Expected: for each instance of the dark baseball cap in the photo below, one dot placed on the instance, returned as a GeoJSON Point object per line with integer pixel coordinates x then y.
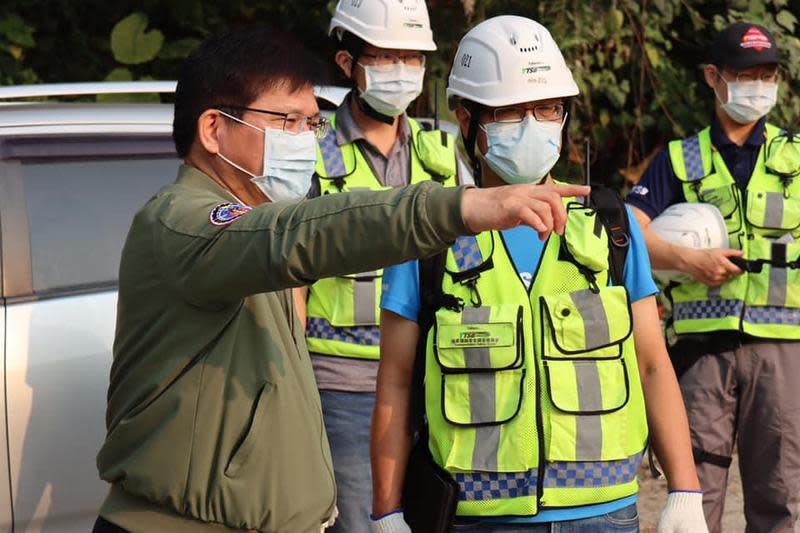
{"type": "Point", "coordinates": [743, 45]}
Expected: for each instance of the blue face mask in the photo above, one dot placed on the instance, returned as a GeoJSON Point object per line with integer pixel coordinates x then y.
{"type": "Point", "coordinates": [523, 152]}
{"type": "Point", "coordinates": [289, 162]}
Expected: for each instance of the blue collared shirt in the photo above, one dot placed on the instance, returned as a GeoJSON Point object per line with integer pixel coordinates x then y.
{"type": "Point", "coordinates": [659, 188]}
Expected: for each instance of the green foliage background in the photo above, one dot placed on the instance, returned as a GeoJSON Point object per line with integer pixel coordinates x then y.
{"type": "Point", "coordinates": [637, 62]}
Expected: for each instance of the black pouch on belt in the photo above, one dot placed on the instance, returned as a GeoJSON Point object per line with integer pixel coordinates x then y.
{"type": "Point", "coordinates": [430, 494]}
{"type": "Point", "coordinates": [690, 348]}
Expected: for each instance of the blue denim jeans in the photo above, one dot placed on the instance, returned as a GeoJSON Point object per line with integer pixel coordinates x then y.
{"type": "Point", "coordinates": [347, 418]}
{"type": "Point", "coordinates": [625, 520]}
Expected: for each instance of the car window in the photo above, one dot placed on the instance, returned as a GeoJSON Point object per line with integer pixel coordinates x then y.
{"type": "Point", "coordinates": [79, 213]}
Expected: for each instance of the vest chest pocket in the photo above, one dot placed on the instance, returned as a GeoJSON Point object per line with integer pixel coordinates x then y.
{"type": "Point", "coordinates": [773, 211]}
{"type": "Point", "coordinates": [723, 198]}
{"type": "Point", "coordinates": [585, 325]}
{"type": "Point", "coordinates": [726, 199]}
{"type": "Point", "coordinates": [480, 353]}
{"type": "Point", "coordinates": [588, 387]}
{"type": "Point", "coordinates": [479, 339]}
{"type": "Point", "coordinates": [583, 336]}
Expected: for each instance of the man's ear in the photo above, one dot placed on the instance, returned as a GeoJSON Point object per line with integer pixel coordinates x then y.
{"type": "Point", "coordinates": [463, 116]}
{"type": "Point", "coordinates": [710, 74]}
{"type": "Point", "coordinates": [345, 62]}
{"type": "Point", "coordinates": [208, 126]}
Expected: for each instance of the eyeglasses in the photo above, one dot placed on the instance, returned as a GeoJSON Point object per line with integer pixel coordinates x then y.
{"type": "Point", "coordinates": [755, 75]}
{"type": "Point", "coordinates": [541, 112]}
{"type": "Point", "coordinates": [291, 122]}
{"type": "Point", "coordinates": [387, 59]}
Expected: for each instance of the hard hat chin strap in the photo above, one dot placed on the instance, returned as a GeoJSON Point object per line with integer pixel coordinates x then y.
{"type": "Point", "coordinates": [370, 111]}
{"type": "Point", "coordinates": [471, 140]}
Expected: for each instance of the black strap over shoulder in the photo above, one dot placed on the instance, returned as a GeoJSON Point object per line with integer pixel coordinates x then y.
{"type": "Point", "coordinates": [611, 211]}
{"type": "Point", "coordinates": [431, 274]}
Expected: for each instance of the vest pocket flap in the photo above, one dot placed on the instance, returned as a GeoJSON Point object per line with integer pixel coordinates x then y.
{"type": "Point", "coordinates": [482, 398]}
{"type": "Point", "coordinates": [586, 324]}
{"type": "Point", "coordinates": [479, 338]}
{"type": "Point", "coordinates": [723, 198]}
{"type": "Point", "coordinates": [436, 153]}
{"type": "Point", "coordinates": [588, 387]}
{"type": "Point", "coordinates": [586, 237]}
{"type": "Point", "coordinates": [772, 210]}
{"type": "Point", "coordinates": [785, 156]}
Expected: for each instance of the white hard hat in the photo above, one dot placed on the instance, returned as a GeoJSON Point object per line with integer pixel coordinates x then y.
{"type": "Point", "coordinates": [393, 24]}
{"type": "Point", "coordinates": [692, 225]}
{"type": "Point", "coordinates": [509, 60]}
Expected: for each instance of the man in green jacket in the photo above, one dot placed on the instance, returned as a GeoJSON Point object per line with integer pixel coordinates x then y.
{"type": "Point", "coordinates": [214, 420]}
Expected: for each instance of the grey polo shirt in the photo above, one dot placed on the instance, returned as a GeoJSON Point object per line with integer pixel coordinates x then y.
{"type": "Point", "coordinates": [394, 170]}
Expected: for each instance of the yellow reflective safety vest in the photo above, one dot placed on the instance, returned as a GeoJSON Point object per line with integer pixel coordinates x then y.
{"type": "Point", "coordinates": [533, 398]}
{"type": "Point", "coordinates": [343, 312]}
{"type": "Point", "coordinates": [763, 221]}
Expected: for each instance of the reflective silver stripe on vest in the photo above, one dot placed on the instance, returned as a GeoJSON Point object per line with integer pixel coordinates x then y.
{"type": "Point", "coordinates": [476, 357]}
{"type": "Point", "coordinates": [482, 401]}
{"type": "Point", "coordinates": [699, 309]}
{"type": "Point", "coordinates": [588, 428]}
{"type": "Point", "coordinates": [332, 158]}
{"type": "Point", "coordinates": [781, 316]}
{"type": "Point", "coordinates": [595, 321]}
{"type": "Point", "coordinates": [364, 298]}
{"type": "Point", "coordinates": [773, 212]}
{"type": "Point", "coordinates": [778, 278]}
{"type": "Point", "coordinates": [467, 253]}
{"type": "Point", "coordinates": [693, 158]}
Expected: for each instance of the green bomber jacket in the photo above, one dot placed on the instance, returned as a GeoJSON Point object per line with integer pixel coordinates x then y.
{"type": "Point", "coordinates": [214, 420]}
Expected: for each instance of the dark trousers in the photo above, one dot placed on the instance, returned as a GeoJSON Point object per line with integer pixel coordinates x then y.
{"type": "Point", "coordinates": [104, 526]}
{"type": "Point", "coordinates": [749, 397]}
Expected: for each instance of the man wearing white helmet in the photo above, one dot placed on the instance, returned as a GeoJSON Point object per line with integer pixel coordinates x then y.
{"type": "Point", "coordinates": [372, 144]}
{"type": "Point", "coordinates": [543, 365]}
{"type": "Point", "coordinates": [736, 312]}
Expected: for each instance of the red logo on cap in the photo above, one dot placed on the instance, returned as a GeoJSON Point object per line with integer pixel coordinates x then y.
{"type": "Point", "coordinates": [755, 38]}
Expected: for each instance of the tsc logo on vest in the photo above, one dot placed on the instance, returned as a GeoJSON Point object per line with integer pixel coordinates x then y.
{"type": "Point", "coordinates": [476, 337]}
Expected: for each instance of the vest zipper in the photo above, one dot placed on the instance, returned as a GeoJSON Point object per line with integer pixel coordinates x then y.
{"type": "Point", "coordinates": [536, 374]}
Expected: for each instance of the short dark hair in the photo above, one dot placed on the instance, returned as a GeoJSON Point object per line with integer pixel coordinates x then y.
{"type": "Point", "coordinates": [232, 69]}
{"type": "Point", "coordinates": [353, 44]}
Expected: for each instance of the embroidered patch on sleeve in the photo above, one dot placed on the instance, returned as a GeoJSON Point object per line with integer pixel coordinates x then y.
{"type": "Point", "coordinates": [224, 214]}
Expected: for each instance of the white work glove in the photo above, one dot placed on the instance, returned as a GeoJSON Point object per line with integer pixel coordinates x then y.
{"type": "Point", "coordinates": [331, 520]}
{"type": "Point", "coordinates": [390, 523]}
{"type": "Point", "coordinates": [683, 513]}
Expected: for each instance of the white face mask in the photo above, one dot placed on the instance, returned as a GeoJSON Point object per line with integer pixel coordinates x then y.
{"type": "Point", "coordinates": [523, 152]}
{"type": "Point", "coordinates": [748, 101]}
{"type": "Point", "coordinates": [289, 162]}
{"type": "Point", "coordinates": [389, 90]}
